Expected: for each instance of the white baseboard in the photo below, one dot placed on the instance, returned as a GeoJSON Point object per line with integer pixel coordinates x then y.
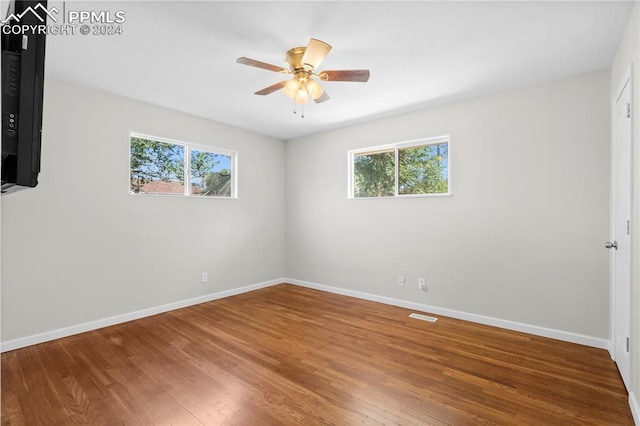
{"type": "Point", "coordinates": [635, 407]}
{"type": "Point", "coordinates": [481, 319]}
{"type": "Point", "coordinates": [34, 339]}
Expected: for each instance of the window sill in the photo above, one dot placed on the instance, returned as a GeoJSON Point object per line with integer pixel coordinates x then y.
{"type": "Point", "coordinates": [391, 197]}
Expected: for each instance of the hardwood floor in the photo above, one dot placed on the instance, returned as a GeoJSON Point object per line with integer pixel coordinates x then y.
{"type": "Point", "coordinates": [291, 355]}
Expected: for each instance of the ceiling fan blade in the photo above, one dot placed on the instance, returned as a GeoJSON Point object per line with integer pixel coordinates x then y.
{"type": "Point", "coordinates": [322, 98]}
{"type": "Point", "coordinates": [271, 88]}
{"type": "Point", "coordinates": [315, 52]}
{"type": "Point", "coordinates": [258, 64]}
{"type": "Point", "coordinates": [345, 75]}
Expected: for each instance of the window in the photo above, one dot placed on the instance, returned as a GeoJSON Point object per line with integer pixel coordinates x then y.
{"type": "Point", "coordinates": [406, 169]}
{"type": "Point", "coordinates": [159, 166]}
{"type": "Point", "coordinates": [374, 173]}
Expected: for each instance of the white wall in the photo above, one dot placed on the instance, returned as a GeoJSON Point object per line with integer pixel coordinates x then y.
{"type": "Point", "coordinates": [522, 237]}
{"type": "Point", "coordinates": [79, 248]}
{"type": "Point", "coordinates": [526, 222]}
{"type": "Point", "coordinates": [629, 52]}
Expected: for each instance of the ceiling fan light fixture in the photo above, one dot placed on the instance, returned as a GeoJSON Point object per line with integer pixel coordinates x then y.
{"type": "Point", "coordinates": [302, 97]}
{"type": "Point", "coordinates": [291, 88]}
{"type": "Point", "coordinates": [315, 90]}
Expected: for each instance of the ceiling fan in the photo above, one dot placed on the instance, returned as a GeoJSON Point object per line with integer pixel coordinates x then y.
{"type": "Point", "coordinates": [303, 63]}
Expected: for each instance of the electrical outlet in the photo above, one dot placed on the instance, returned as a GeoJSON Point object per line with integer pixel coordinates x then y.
{"type": "Point", "coordinates": [422, 284]}
{"type": "Point", "coordinates": [401, 281]}
{"type": "Point", "coordinates": [205, 277]}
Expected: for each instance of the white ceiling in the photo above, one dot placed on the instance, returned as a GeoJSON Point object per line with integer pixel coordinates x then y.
{"type": "Point", "coordinates": [181, 55]}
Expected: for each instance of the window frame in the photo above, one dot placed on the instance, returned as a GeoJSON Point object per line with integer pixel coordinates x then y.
{"type": "Point", "coordinates": [396, 147]}
{"type": "Point", "coordinates": [188, 147]}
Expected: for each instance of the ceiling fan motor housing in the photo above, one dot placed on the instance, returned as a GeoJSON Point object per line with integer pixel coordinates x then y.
{"type": "Point", "coordinates": [294, 59]}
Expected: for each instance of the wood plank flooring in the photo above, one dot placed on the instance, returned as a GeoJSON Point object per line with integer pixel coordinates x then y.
{"type": "Point", "coordinates": [290, 355]}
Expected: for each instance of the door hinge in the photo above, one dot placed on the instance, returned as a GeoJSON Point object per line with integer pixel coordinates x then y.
{"type": "Point", "coordinates": [627, 344]}
{"type": "Point", "coordinates": [628, 110]}
{"type": "Point", "coordinates": [628, 227]}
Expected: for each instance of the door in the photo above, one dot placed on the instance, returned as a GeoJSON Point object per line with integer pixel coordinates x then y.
{"type": "Point", "coordinates": [622, 146]}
